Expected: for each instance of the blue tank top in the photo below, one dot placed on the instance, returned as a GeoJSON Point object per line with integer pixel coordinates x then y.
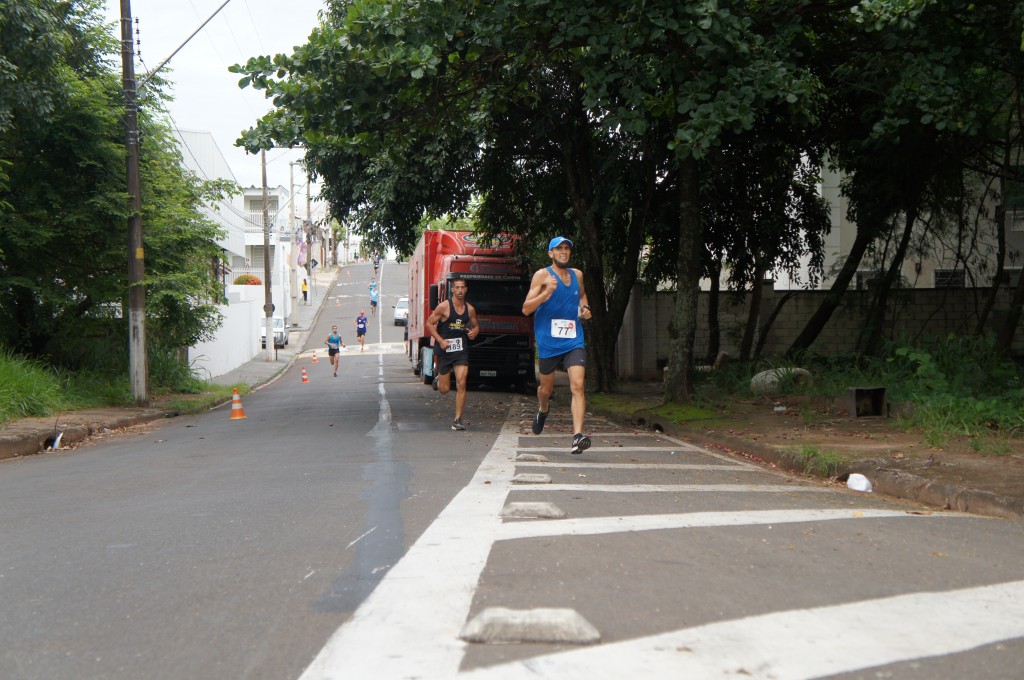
{"type": "Point", "coordinates": [556, 323]}
{"type": "Point", "coordinates": [361, 323]}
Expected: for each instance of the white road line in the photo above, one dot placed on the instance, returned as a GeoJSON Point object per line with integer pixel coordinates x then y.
{"type": "Point", "coordinates": [409, 626]}
{"type": "Point", "coordinates": [617, 434]}
{"type": "Point", "coordinates": [641, 466]}
{"type": "Point", "coordinates": [676, 488]}
{"type": "Point", "coordinates": [800, 644]}
{"type": "Point", "coordinates": [617, 449]}
{"type": "Point", "coordinates": [588, 526]}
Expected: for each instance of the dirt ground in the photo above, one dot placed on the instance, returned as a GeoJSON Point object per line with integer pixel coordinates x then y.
{"type": "Point", "coordinates": [994, 463]}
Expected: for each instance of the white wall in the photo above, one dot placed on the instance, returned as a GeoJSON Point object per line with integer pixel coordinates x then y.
{"type": "Point", "coordinates": [238, 339]}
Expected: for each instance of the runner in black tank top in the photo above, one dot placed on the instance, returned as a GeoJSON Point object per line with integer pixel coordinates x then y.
{"type": "Point", "coordinates": [452, 330]}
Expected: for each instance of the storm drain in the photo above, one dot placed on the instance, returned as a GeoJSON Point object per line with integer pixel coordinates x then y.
{"type": "Point", "coordinates": [498, 625]}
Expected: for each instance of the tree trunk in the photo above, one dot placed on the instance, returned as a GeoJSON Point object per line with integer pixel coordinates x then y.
{"type": "Point", "coordinates": [714, 328]}
{"type": "Point", "coordinates": [870, 340]}
{"type": "Point", "coordinates": [683, 328]}
{"type": "Point", "coordinates": [754, 311]}
{"type": "Point", "coordinates": [766, 328]}
{"type": "Point", "coordinates": [1004, 341]}
{"type": "Point", "coordinates": [1000, 236]}
{"type": "Point", "coordinates": [820, 319]}
{"type": "Point", "coordinates": [608, 306]}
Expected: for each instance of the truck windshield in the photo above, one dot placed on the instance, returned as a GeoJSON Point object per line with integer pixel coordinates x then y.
{"type": "Point", "coordinates": [498, 298]}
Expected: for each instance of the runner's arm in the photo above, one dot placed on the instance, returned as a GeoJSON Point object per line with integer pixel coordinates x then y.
{"type": "Point", "coordinates": [439, 314]}
{"type": "Point", "coordinates": [584, 304]}
{"type": "Point", "coordinates": [474, 328]}
{"type": "Point", "coordinates": [542, 287]}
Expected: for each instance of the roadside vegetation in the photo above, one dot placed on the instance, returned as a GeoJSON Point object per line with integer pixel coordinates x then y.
{"type": "Point", "coordinates": [946, 389]}
{"type": "Point", "coordinates": [957, 386]}
{"type": "Point", "coordinates": [31, 388]}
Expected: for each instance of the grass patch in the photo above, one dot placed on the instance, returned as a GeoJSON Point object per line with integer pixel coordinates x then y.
{"type": "Point", "coordinates": [199, 402]}
{"type": "Point", "coordinates": [616, 402]}
{"type": "Point", "coordinates": [32, 388]}
{"type": "Point", "coordinates": [685, 413]}
{"type": "Point", "coordinates": [816, 461]}
{"type": "Point", "coordinates": [29, 389]}
{"type": "Point", "coordinates": [627, 405]}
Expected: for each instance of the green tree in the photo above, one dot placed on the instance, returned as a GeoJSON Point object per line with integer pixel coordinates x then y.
{"type": "Point", "coordinates": [63, 239]}
{"type": "Point", "coordinates": [920, 94]}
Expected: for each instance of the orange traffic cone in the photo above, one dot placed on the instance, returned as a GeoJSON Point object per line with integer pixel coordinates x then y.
{"type": "Point", "coordinates": [315, 360]}
{"type": "Point", "coordinates": [237, 412]}
{"type": "Point", "coordinates": [305, 378]}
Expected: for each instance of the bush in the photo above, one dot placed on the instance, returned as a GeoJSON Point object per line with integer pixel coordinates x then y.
{"type": "Point", "coordinates": [248, 280]}
{"type": "Point", "coordinates": [28, 388]}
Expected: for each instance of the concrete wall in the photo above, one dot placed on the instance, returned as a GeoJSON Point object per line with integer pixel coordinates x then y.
{"type": "Point", "coordinates": [643, 345]}
{"type": "Point", "coordinates": [238, 339]}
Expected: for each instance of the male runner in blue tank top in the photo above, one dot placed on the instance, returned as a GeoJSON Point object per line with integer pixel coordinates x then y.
{"type": "Point", "coordinates": [558, 302]}
{"type": "Point", "coordinates": [453, 324]}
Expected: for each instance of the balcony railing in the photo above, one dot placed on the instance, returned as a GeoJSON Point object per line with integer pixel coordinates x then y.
{"type": "Point", "coordinates": [254, 223]}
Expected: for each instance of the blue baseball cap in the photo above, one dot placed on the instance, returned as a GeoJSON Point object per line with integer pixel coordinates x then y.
{"type": "Point", "coordinates": [557, 241]}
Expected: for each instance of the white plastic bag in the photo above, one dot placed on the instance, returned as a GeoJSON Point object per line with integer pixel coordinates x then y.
{"type": "Point", "coordinates": [859, 482]}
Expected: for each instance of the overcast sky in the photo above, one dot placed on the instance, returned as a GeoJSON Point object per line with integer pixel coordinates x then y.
{"type": "Point", "coordinates": [206, 95]}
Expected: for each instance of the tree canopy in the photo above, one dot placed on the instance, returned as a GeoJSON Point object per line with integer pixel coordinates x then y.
{"type": "Point", "coordinates": [63, 233]}
{"type": "Point", "coordinates": [626, 124]}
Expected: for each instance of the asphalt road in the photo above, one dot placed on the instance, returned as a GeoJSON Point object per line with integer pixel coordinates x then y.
{"type": "Point", "coordinates": [344, 531]}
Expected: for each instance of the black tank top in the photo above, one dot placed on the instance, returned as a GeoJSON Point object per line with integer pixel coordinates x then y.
{"type": "Point", "coordinates": [456, 326]}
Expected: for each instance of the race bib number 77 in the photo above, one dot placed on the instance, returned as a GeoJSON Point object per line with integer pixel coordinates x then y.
{"type": "Point", "coordinates": [563, 328]}
{"type": "Point", "coordinates": [454, 345]}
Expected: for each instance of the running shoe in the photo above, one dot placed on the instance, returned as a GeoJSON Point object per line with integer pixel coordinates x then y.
{"type": "Point", "coordinates": [580, 443]}
{"type": "Point", "coordinates": [457, 425]}
{"type": "Point", "coordinates": [538, 422]}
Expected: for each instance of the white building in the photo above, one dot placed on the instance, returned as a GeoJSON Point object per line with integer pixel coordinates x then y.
{"type": "Point", "coordinates": [241, 219]}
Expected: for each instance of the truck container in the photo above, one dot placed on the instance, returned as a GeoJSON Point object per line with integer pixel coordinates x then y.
{"type": "Point", "coordinates": [502, 353]}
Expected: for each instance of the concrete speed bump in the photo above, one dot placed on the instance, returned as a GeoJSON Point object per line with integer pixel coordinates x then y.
{"type": "Point", "coordinates": [498, 625]}
{"type": "Point", "coordinates": [528, 478]}
{"type": "Point", "coordinates": [533, 510]}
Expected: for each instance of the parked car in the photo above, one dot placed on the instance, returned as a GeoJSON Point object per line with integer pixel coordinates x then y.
{"type": "Point", "coordinates": [401, 311]}
{"type": "Point", "coordinates": [280, 332]}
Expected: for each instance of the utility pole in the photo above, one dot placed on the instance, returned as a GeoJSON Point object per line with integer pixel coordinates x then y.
{"type": "Point", "coordinates": [294, 276]}
{"type": "Point", "coordinates": [137, 365]}
{"type": "Point", "coordinates": [309, 244]}
{"type": "Point", "coordinates": [268, 298]}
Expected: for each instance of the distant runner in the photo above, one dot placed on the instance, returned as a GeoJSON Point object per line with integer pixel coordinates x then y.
{"type": "Point", "coordinates": [334, 346]}
{"type": "Point", "coordinates": [361, 329]}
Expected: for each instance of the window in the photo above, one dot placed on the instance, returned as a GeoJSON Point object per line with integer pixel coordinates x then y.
{"type": "Point", "coordinates": [950, 278]}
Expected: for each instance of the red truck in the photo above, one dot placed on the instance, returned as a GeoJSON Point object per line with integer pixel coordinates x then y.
{"type": "Point", "coordinates": [502, 353]}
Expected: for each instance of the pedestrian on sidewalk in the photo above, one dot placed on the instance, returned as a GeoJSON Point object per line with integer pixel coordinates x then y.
{"type": "Point", "coordinates": [558, 302]}
{"type": "Point", "coordinates": [305, 291]}
{"type": "Point", "coordinates": [334, 346]}
{"type": "Point", "coordinates": [361, 329]}
{"type": "Point", "coordinates": [453, 324]}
